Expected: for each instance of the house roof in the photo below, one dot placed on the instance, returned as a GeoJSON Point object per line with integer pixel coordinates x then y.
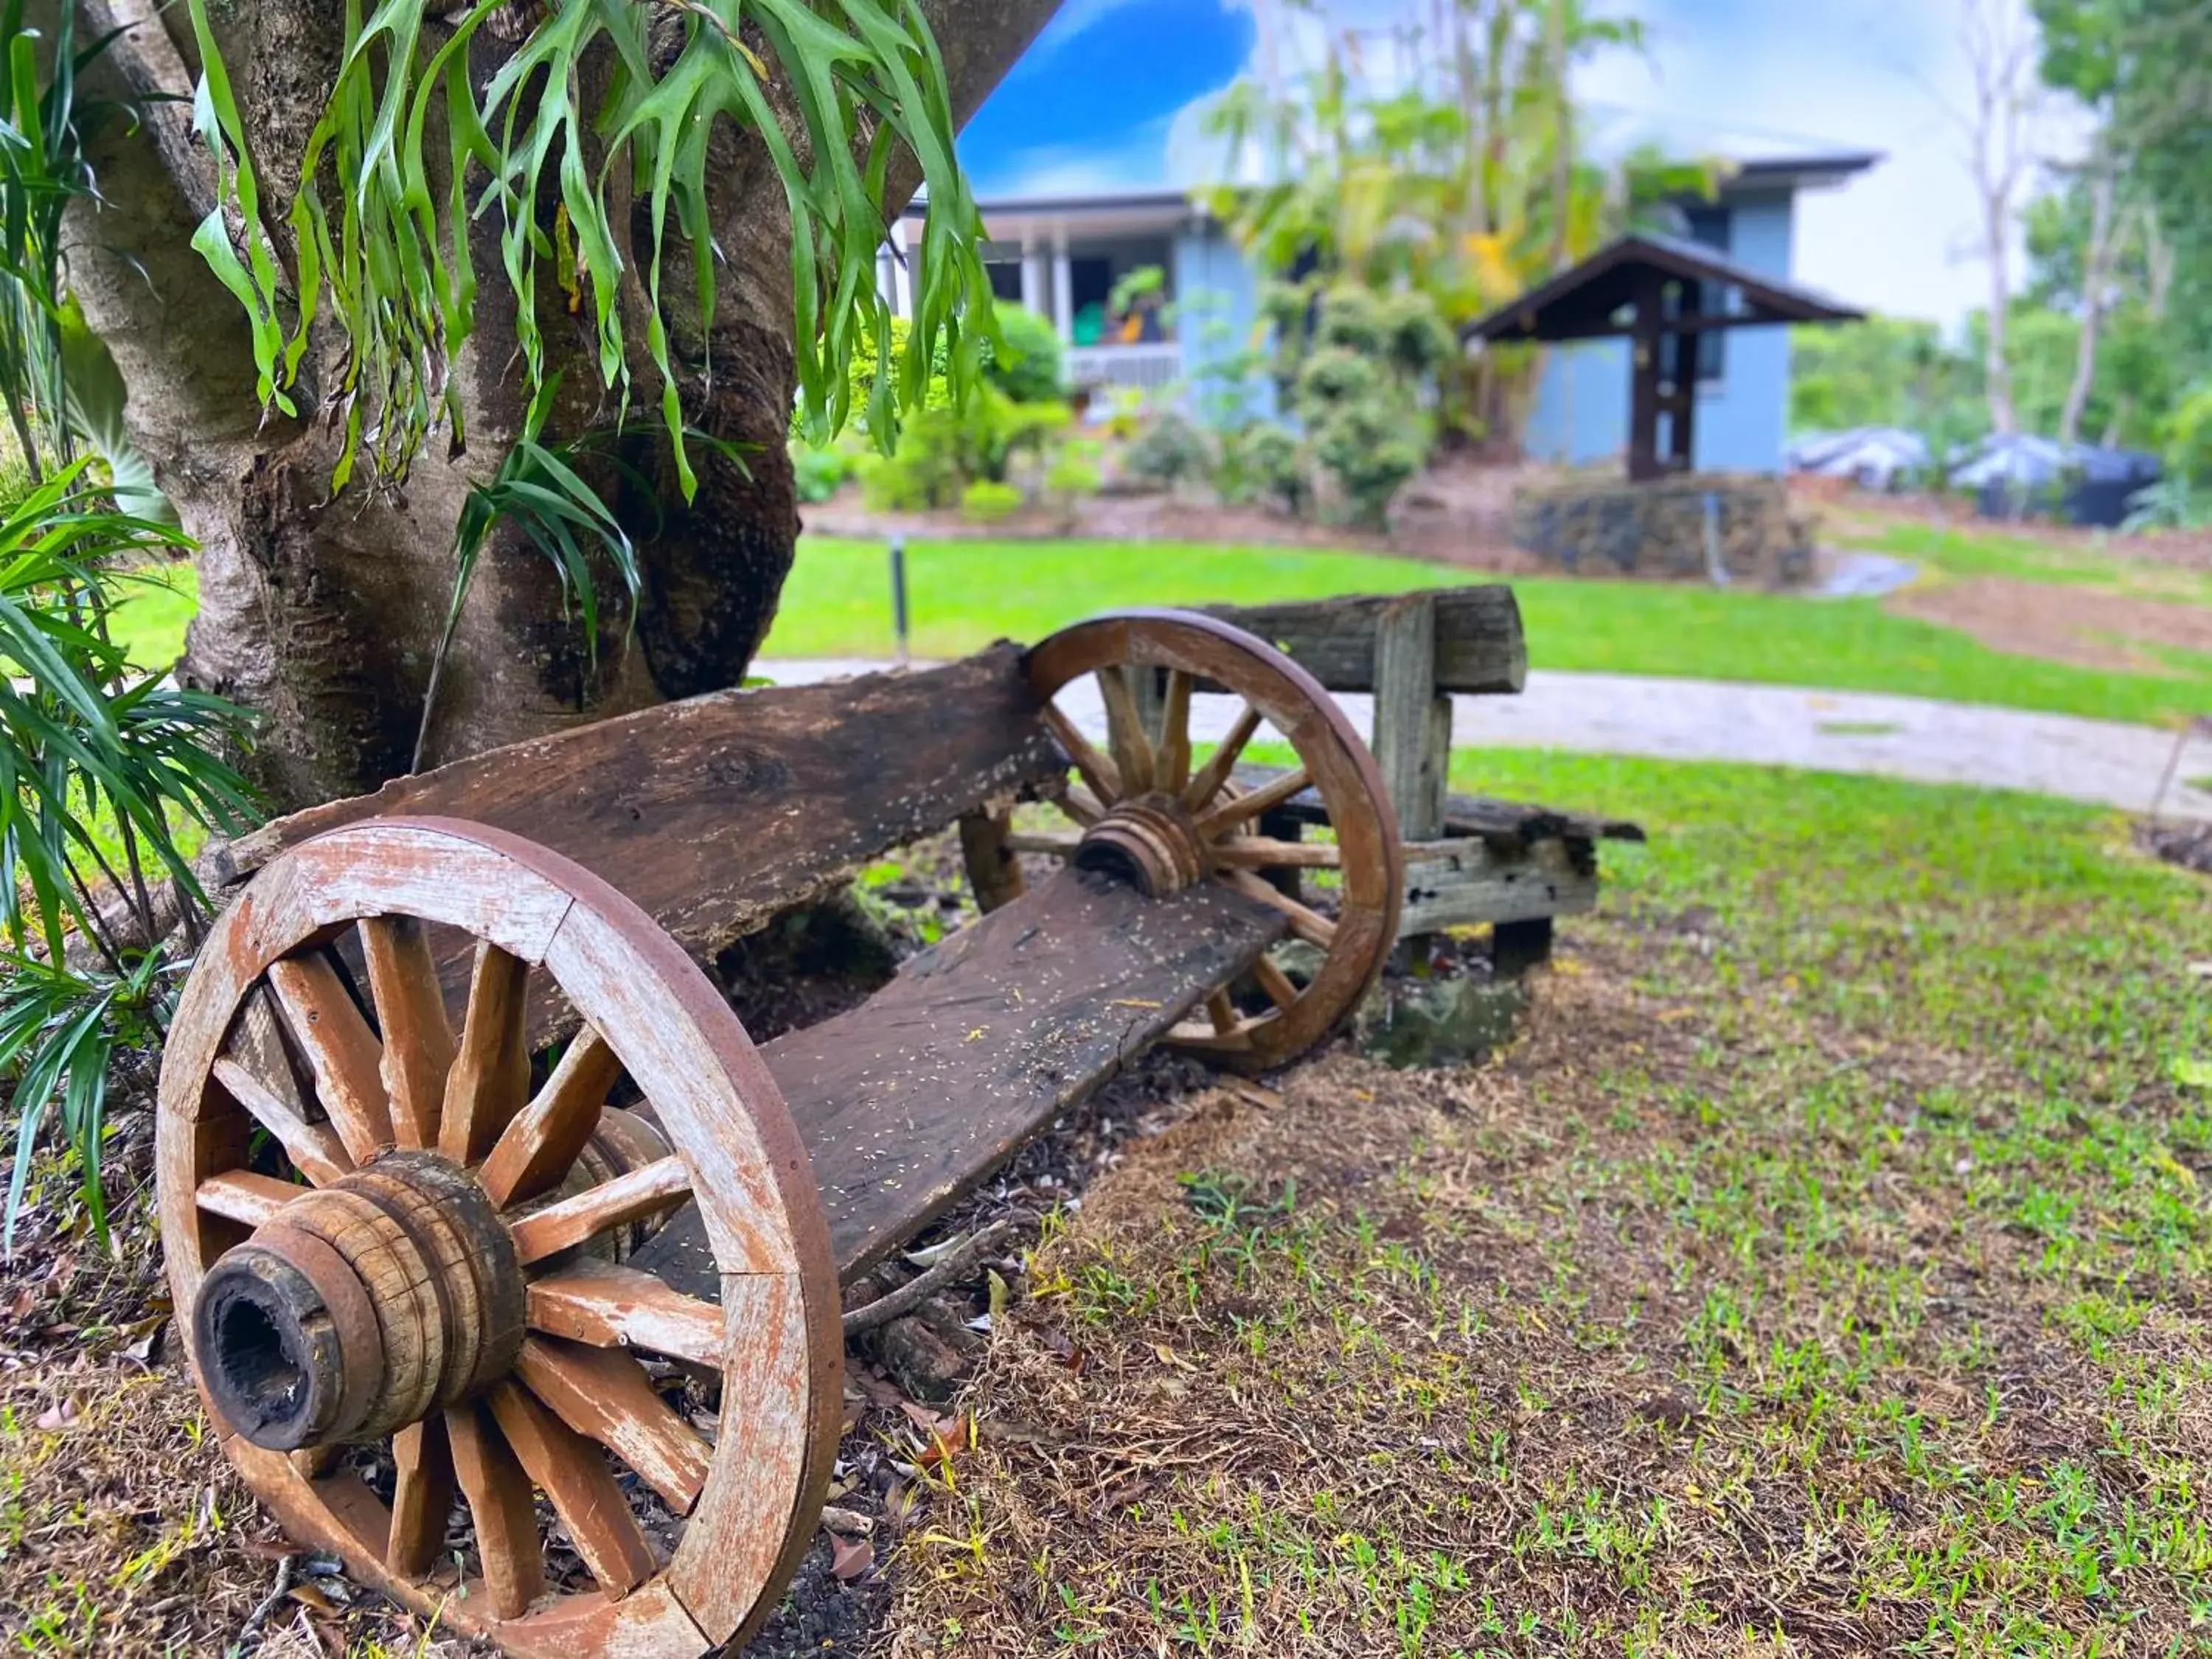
{"type": "Point", "coordinates": [1799, 172]}
{"type": "Point", "coordinates": [1584, 302]}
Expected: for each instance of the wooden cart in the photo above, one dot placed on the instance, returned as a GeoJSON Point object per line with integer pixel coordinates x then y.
{"type": "Point", "coordinates": [419, 1249]}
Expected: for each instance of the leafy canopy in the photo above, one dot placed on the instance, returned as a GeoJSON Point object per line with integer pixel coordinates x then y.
{"type": "Point", "coordinates": [409, 150]}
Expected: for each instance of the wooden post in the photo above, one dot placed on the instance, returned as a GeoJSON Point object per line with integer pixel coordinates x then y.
{"type": "Point", "coordinates": [1644, 344]}
{"type": "Point", "coordinates": [1413, 721]}
{"type": "Point", "coordinates": [993, 869]}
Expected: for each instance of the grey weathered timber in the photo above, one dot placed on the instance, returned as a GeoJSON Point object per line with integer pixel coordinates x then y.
{"type": "Point", "coordinates": [1450, 884]}
{"type": "Point", "coordinates": [911, 1099]}
{"type": "Point", "coordinates": [1480, 646]}
{"type": "Point", "coordinates": [719, 812]}
{"type": "Point", "coordinates": [1413, 720]}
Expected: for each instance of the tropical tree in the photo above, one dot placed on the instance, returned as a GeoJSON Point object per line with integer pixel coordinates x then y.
{"type": "Point", "coordinates": [1454, 168]}
{"type": "Point", "coordinates": [546, 273]}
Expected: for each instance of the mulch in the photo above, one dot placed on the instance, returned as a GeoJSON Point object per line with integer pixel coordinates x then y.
{"type": "Point", "coordinates": [2189, 845]}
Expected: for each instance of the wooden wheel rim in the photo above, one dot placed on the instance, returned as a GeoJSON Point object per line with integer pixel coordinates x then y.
{"type": "Point", "coordinates": [1342, 772]}
{"type": "Point", "coordinates": [781, 1351]}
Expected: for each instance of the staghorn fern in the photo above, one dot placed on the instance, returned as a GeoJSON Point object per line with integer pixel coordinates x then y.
{"type": "Point", "coordinates": [389, 258]}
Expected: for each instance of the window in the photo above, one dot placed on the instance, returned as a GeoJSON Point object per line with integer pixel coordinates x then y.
{"type": "Point", "coordinates": [1005, 277]}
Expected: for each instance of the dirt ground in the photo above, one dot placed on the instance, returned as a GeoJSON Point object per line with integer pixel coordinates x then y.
{"type": "Point", "coordinates": [2069, 624]}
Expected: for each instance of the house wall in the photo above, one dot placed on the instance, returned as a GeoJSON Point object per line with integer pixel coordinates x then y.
{"type": "Point", "coordinates": [1218, 317]}
{"type": "Point", "coordinates": [1580, 414]}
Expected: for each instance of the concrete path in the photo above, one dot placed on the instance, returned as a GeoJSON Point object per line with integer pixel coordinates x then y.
{"type": "Point", "coordinates": [2101, 761]}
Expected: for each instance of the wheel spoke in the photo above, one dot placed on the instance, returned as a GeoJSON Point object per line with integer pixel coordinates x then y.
{"type": "Point", "coordinates": [1308, 925]}
{"type": "Point", "coordinates": [1209, 778]}
{"type": "Point", "coordinates": [570, 1471]}
{"type": "Point", "coordinates": [411, 1011]}
{"type": "Point", "coordinates": [1101, 774]}
{"type": "Point", "coordinates": [1274, 982]}
{"type": "Point", "coordinates": [1238, 809]}
{"type": "Point", "coordinates": [1125, 729]}
{"type": "Point", "coordinates": [490, 1079]}
{"type": "Point", "coordinates": [343, 1053]}
{"type": "Point", "coordinates": [242, 1195]}
{"type": "Point", "coordinates": [315, 1151]}
{"type": "Point", "coordinates": [633, 1197]}
{"type": "Point", "coordinates": [1051, 845]}
{"type": "Point", "coordinates": [604, 1395]}
{"type": "Point", "coordinates": [611, 1306]}
{"type": "Point", "coordinates": [1080, 804]}
{"type": "Point", "coordinates": [1266, 852]}
{"type": "Point", "coordinates": [500, 1503]}
{"type": "Point", "coordinates": [1223, 1012]}
{"type": "Point", "coordinates": [1172, 770]}
{"type": "Point", "coordinates": [535, 1150]}
{"type": "Point", "coordinates": [421, 1496]}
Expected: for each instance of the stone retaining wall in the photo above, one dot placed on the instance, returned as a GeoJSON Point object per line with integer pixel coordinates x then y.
{"type": "Point", "coordinates": [1659, 530]}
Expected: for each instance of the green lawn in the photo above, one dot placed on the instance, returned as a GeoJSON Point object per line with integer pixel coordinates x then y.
{"type": "Point", "coordinates": [1980, 550]}
{"type": "Point", "coordinates": [965, 594]}
{"type": "Point", "coordinates": [1822, 1270]}
{"type": "Point", "coordinates": [149, 619]}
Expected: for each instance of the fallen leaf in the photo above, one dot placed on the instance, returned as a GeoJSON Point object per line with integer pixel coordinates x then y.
{"type": "Point", "coordinates": [849, 1558]}
{"type": "Point", "coordinates": [55, 1419]}
{"type": "Point", "coordinates": [1001, 1298]}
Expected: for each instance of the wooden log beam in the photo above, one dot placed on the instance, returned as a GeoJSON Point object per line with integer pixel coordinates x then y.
{"type": "Point", "coordinates": [1480, 646]}
{"type": "Point", "coordinates": [909, 1100]}
{"type": "Point", "coordinates": [1463, 883]}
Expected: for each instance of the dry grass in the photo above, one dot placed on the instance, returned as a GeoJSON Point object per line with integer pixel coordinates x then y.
{"type": "Point", "coordinates": [1830, 1288]}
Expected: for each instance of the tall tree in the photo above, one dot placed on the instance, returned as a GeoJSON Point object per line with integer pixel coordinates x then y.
{"type": "Point", "coordinates": [320, 608]}
{"type": "Point", "coordinates": [1999, 42]}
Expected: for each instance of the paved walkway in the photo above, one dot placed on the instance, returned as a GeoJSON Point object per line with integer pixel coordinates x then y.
{"type": "Point", "coordinates": [2100, 761]}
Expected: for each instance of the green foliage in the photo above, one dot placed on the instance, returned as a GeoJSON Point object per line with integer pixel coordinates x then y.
{"type": "Point", "coordinates": [1073, 475]}
{"type": "Point", "coordinates": [1170, 450]}
{"type": "Point", "coordinates": [1263, 461]}
{"type": "Point", "coordinates": [99, 764]}
{"type": "Point", "coordinates": [1355, 379]}
{"type": "Point", "coordinates": [988, 502]}
{"type": "Point", "coordinates": [413, 150]}
{"type": "Point", "coordinates": [1025, 361]}
{"type": "Point", "coordinates": [945, 449]}
{"type": "Point", "coordinates": [818, 470]}
{"type": "Point", "coordinates": [1885, 371]}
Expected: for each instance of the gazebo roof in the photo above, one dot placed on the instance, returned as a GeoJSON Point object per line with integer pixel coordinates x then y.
{"type": "Point", "coordinates": [1586, 301]}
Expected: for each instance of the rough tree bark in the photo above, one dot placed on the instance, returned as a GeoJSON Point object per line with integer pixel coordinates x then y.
{"type": "Point", "coordinates": [2096, 278]}
{"type": "Point", "coordinates": [322, 614]}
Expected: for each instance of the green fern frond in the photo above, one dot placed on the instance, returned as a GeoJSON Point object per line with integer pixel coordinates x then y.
{"type": "Point", "coordinates": [381, 224]}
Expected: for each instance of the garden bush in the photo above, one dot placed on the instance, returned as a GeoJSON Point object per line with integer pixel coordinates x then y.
{"type": "Point", "coordinates": [986, 501]}
{"type": "Point", "coordinates": [1027, 365]}
{"type": "Point", "coordinates": [817, 471]}
{"type": "Point", "coordinates": [1169, 450]}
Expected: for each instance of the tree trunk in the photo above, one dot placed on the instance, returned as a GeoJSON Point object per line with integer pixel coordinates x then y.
{"type": "Point", "coordinates": [2095, 278]}
{"type": "Point", "coordinates": [323, 615]}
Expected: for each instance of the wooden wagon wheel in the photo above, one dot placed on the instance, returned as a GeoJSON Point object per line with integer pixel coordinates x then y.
{"type": "Point", "coordinates": [414, 1281]}
{"type": "Point", "coordinates": [1145, 811]}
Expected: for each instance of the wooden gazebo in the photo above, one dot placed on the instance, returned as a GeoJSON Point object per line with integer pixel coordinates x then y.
{"type": "Point", "coordinates": [1662, 293]}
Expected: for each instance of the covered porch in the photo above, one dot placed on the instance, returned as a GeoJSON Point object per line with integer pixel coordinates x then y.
{"type": "Point", "coordinates": [1065, 259]}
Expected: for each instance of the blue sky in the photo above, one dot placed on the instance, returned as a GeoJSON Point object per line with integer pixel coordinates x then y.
{"type": "Point", "coordinates": [1113, 94]}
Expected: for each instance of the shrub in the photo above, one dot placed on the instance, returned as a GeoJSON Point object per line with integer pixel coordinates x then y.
{"type": "Point", "coordinates": [986, 501]}
{"type": "Point", "coordinates": [1169, 450]}
{"type": "Point", "coordinates": [1028, 365]}
{"type": "Point", "coordinates": [1073, 476]}
{"type": "Point", "coordinates": [944, 450]}
{"type": "Point", "coordinates": [817, 471]}
{"type": "Point", "coordinates": [1261, 461]}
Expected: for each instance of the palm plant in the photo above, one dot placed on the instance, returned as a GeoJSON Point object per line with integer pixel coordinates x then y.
{"type": "Point", "coordinates": [102, 765]}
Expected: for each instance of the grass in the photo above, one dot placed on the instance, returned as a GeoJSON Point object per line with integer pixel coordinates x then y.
{"type": "Point", "coordinates": [2107, 563]}
{"type": "Point", "coordinates": [965, 595]}
{"type": "Point", "coordinates": [158, 601]}
{"type": "Point", "coordinates": [1822, 1272]}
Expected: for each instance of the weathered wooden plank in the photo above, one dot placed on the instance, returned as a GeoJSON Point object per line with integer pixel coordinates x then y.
{"type": "Point", "coordinates": [719, 812]}
{"type": "Point", "coordinates": [909, 1100]}
{"type": "Point", "coordinates": [1412, 746]}
{"type": "Point", "coordinates": [1509, 825]}
{"type": "Point", "coordinates": [1480, 646]}
{"type": "Point", "coordinates": [1453, 884]}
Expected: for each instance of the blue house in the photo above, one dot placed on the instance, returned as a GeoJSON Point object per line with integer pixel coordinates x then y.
{"type": "Point", "coordinates": [1062, 256]}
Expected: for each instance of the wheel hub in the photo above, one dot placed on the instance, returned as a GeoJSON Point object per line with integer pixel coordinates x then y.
{"type": "Point", "coordinates": [1148, 840]}
{"type": "Point", "coordinates": [361, 1306]}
